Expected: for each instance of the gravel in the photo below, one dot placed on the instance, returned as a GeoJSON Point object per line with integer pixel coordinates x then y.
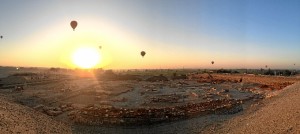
{"type": "Point", "coordinates": [279, 114]}
{"type": "Point", "coordinates": [15, 118]}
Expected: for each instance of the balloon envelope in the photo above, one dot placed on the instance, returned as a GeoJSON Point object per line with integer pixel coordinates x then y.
{"type": "Point", "coordinates": [212, 62]}
{"type": "Point", "coordinates": [1, 36]}
{"type": "Point", "coordinates": [100, 47]}
{"type": "Point", "coordinates": [143, 53]}
{"type": "Point", "coordinates": [73, 24]}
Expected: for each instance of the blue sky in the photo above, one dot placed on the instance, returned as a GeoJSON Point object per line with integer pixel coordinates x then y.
{"type": "Point", "coordinates": [174, 33]}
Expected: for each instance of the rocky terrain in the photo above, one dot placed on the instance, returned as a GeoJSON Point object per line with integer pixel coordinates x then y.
{"type": "Point", "coordinates": [279, 114]}
{"type": "Point", "coordinates": [82, 103]}
{"type": "Point", "coordinates": [15, 118]}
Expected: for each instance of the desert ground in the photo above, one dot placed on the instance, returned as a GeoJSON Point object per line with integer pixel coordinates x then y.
{"type": "Point", "coordinates": [84, 101]}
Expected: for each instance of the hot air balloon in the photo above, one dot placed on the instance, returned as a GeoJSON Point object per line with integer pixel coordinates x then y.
{"type": "Point", "coordinates": [266, 66]}
{"type": "Point", "coordinates": [73, 24]}
{"type": "Point", "coordinates": [100, 47]}
{"type": "Point", "coordinates": [1, 36]}
{"type": "Point", "coordinates": [143, 53]}
{"type": "Point", "coordinates": [212, 62]}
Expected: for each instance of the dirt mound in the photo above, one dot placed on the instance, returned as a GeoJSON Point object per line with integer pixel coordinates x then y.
{"type": "Point", "coordinates": [280, 114]}
{"type": "Point", "coordinates": [15, 118]}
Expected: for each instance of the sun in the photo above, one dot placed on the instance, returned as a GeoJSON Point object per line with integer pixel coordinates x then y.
{"type": "Point", "coordinates": [86, 57]}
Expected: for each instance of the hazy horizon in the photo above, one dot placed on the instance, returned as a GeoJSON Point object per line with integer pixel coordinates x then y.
{"type": "Point", "coordinates": [175, 34]}
{"type": "Point", "coordinates": [183, 68]}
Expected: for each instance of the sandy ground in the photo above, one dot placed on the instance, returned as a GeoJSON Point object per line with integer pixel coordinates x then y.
{"type": "Point", "coordinates": [279, 114]}
{"type": "Point", "coordinates": [15, 118]}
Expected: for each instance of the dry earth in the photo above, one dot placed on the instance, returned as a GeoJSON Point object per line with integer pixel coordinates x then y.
{"type": "Point", "coordinates": [15, 118]}
{"type": "Point", "coordinates": [279, 114]}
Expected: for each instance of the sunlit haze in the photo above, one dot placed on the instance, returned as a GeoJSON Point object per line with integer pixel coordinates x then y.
{"type": "Point", "coordinates": [173, 33]}
{"type": "Point", "coordinates": [86, 57]}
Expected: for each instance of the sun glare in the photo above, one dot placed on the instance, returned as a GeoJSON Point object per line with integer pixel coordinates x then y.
{"type": "Point", "coordinates": [86, 57]}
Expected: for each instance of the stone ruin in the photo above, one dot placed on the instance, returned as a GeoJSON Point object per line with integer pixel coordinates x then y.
{"type": "Point", "coordinates": [93, 115]}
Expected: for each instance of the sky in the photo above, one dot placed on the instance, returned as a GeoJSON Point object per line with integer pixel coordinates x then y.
{"type": "Point", "coordinates": [173, 33]}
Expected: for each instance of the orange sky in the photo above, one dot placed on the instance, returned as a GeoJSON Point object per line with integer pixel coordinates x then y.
{"type": "Point", "coordinates": [173, 34]}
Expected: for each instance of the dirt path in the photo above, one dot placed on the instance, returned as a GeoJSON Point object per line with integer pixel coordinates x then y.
{"type": "Point", "coordinates": [280, 114]}
{"type": "Point", "coordinates": [15, 118]}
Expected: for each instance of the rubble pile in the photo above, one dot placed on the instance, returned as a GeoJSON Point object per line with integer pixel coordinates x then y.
{"type": "Point", "coordinates": [157, 78]}
{"type": "Point", "coordinates": [273, 82]}
{"type": "Point", "coordinates": [19, 88]}
{"type": "Point", "coordinates": [216, 80]}
{"type": "Point", "coordinates": [121, 116]}
{"type": "Point", "coordinates": [281, 85]}
{"type": "Point", "coordinates": [173, 98]}
{"type": "Point", "coordinates": [180, 77]}
{"type": "Point", "coordinates": [10, 80]}
{"type": "Point", "coordinates": [230, 110]}
{"type": "Point", "coordinates": [53, 111]}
